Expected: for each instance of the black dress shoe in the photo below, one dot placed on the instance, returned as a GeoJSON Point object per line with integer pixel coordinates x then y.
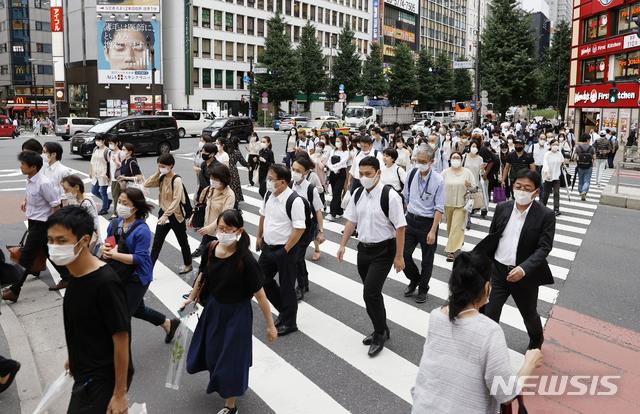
{"type": "Point", "coordinates": [12, 367]}
{"type": "Point", "coordinates": [377, 344]}
{"type": "Point", "coordinates": [197, 252]}
{"type": "Point", "coordinates": [421, 297]}
{"type": "Point", "coordinates": [277, 322]}
{"type": "Point", "coordinates": [410, 289]}
{"type": "Point", "coordinates": [172, 330]}
{"type": "Point", "coordinates": [368, 339]}
{"type": "Point", "coordinates": [299, 294]}
{"type": "Point", "coordinates": [284, 330]}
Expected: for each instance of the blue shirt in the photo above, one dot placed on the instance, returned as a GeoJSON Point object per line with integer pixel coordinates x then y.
{"type": "Point", "coordinates": [138, 242]}
{"type": "Point", "coordinates": [426, 195]}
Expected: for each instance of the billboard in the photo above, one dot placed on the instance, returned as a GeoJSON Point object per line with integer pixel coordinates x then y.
{"type": "Point", "coordinates": [125, 49]}
{"type": "Point", "coordinates": [408, 5]}
{"type": "Point", "coordinates": [597, 96]}
{"type": "Point", "coordinates": [130, 6]}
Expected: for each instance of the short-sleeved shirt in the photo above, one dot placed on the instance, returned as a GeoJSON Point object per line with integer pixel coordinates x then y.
{"type": "Point", "coordinates": [302, 190]}
{"type": "Point", "coordinates": [130, 168]}
{"type": "Point", "coordinates": [232, 280]}
{"type": "Point", "coordinates": [277, 225]}
{"type": "Point", "coordinates": [94, 309]}
{"type": "Point", "coordinates": [518, 163]}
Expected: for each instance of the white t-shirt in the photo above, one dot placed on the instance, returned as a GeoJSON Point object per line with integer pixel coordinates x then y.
{"type": "Point", "coordinates": [394, 176]}
{"type": "Point", "coordinates": [223, 158]}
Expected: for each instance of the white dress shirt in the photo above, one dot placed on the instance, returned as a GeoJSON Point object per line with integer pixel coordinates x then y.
{"type": "Point", "coordinates": [355, 167]}
{"type": "Point", "coordinates": [41, 197]}
{"type": "Point", "coordinates": [394, 176]}
{"type": "Point", "coordinates": [508, 244]}
{"type": "Point", "coordinates": [277, 226]}
{"type": "Point", "coordinates": [374, 226]}
{"type": "Point", "coordinates": [55, 173]}
{"type": "Point", "coordinates": [551, 166]}
{"type": "Point", "coordinates": [344, 160]}
{"type": "Point", "coordinates": [302, 189]}
{"type": "Point", "coordinates": [538, 153]}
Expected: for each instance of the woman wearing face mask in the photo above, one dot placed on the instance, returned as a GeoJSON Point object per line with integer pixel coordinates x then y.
{"type": "Point", "coordinates": [222, 341]}
{"type": "Point", "coordinates": [99, 173]}
{"type": "Point", "coordinates": [115, 161]}
{"type": "Point", "coordinates": [222, 155]}
{"type": "Point", "coordinates": [74, 196]}
{"type": "Point", "coordinates": [265, 160]}
{"type": "Point", "coordinates": [510, 145]}
{"type": "Point", "coordinates": [131, 259]}
{"type": "Point", "coordinates": [457, 181]}
{"type": "Point", "coordinates": [290, 147]}
{"type": "Point", "coordinates": [253, 148]}
{"type": "Point", "coordinates": [391, 173]}
{"type": "Point", "coordinates": [464, 347]}
{"type": "Point", "coordinates": [337, 165]}
{"type": "Point", "coordinates": [220, 197]}
{"type": "Point", "coordinates": [235, 157]}
{"type": "Point", "coordinates": [197, 158]}
{"type": "Point", "coordinates": [404, 156]}
{"type": "Point", "coordinates": [551, 170]}
{"type": "Point", "coordinates": [129, 169]}
{"type": "Point", "coordinates": [320, 158]}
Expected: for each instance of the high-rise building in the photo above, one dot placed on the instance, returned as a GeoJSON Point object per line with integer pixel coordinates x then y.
{"type": "Point", "coordinates": [472, 23]}
{"type": "Point", "coordinates": [398, 23]}
{"type": "Point", "coordinates": [443, 26]}
{"type": "Point", "coordinates": [26, 68]}
{"type": "Point", "coordinates": [560, 10]}
{"type": "Point", "coordinates": [541, 28]}
{"type": "Point", "coordinates": [534, 6]}
{"type": "Point", "coordinates": [208, 71]}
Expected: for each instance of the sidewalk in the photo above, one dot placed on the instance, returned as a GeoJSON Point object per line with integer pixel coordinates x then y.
{"type": "Point", "coordinates": [623, 189]}
{"type": "Point", "coordinates": [594, 328]}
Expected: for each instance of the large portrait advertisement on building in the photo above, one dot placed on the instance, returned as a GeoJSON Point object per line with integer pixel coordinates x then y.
{"type": "Point", "coordinates": [138, 6]}
{"type": "Point", "coordinates": [125, 49]}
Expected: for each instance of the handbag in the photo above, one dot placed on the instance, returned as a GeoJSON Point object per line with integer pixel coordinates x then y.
{"type": "Point", "coordinates": [499, 195]}
{"type": "Point", "coordinates": [508, 408]}
{"type": "Point", "coordinates": [15, 254]}
{"type": "Point", "coordinates": [200, 209]}
{"type": "Point", "coordinates": [125, 271]}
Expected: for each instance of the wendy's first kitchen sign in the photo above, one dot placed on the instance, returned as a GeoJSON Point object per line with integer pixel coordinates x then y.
{"type": "Point", "coordinates": [597, 96]}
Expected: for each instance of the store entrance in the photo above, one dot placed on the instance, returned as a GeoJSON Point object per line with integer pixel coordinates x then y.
{"type": "Point", "coordinates": [589, 121]}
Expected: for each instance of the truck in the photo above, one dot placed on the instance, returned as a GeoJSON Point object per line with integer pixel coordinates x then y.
{"type": "Point", "coordinates": [357, 116]}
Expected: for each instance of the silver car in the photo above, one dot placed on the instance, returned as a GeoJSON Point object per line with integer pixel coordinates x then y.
{"type": "Point", "coordinates": [67, 127]}
{"type": "Point", "coordinates": [292, 121]}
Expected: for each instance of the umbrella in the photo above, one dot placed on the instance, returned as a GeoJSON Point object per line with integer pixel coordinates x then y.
{"type": "Point", "coordinates": [566, 181]}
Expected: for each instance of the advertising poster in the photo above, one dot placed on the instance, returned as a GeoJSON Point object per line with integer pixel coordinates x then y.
{"type": "Point", "coordinates": [130, 6]}
{"type": "Point", "coordinates": [125, 49]}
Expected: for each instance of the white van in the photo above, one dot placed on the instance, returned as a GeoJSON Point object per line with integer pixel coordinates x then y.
{"type": "Point", "coordinates": [190, 122]}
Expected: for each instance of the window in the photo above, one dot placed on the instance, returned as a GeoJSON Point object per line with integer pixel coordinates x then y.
{"type": "Point", "coordinates": [4, 70]}
{"type": "Point", "coordinates": [195, 47]}
{"type": "Point", "coordinates": [229, 78]}
{"type": "Point", "coordinates": [250, 28]}
{"type": "Point", "coordinates": [287, 7]}
{"type": "Point", "coordinates": [595, 27]}
{"type": "Point", "coordinates": [239, 24]}
{"type": "Point", "coordinates": [626, 65]}
{"type": "Point", "coordinates": [334, 18]}
{"type": "Point", "coordinates": [206, 78]}
{"type": "Point", "coordinates": [206, 48]}
{"type": "Point", "coordinates": [196, 77]}
{"type": "Point", "coordinates": [327, 16]}
{"type": "Point", "coordinates": [260, 53]}
{"type": "Point", "coordinates": [228, 23]}
{"type": "Point", "coordinates": [206, 17]}
{"type": "Point", "coordinates": [43, 26]}
{"type": "Point", "coordinates": [217, 49]}
{"type": "Point", "coordinates": [305, 14]}
{"type": "Point", "coordinates": [626, 16]}
{"type": "Point", "coordinates": [217, 20]}
{"type": "Point", "coordinates": [43, 47]}
{"type": "Point", "coordinates": [261, 4]}
{"type": "Point", "coordinates": [260, 27]}
{"type": "Point", "coordinates": [593, 70]}
{"type": "Point", "coordinates": [194, 15]}
{"type": "Point", "coordinates": [239, 81]}
{"type": "Point", "coordinates": [45, 70]}
{"type": "Point", "coordinates": [250, 52]}
{"type": "Point", "coordinates": [296, 33]}
{"type": "Point", "coordinates": [312, 13]}
{"type": "Point", "coordinates": [240, 52]}
{"type": "Point", "coordinates": [229, 52]}
{"type": "Point", "coordinates": [218, 79]}
{"type": "Point", "coordinates": [186, 116]}
{"type": "Point", "coordinates": [240, 2]}
{"type": "Point", "coordinates": [279, 6]}
{"type": "Point", "coordinates": [3, 48]}
{"type": "Point", "coordinates": [251, 3]}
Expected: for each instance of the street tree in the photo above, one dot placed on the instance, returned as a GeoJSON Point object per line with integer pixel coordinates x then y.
{"type": "Point", "coordinates": [506, 56]}
{"type": "Point", "coordinates": [443, 88]}
{"type": "Point", "coordinates": [347, 66]}
{"type": "Point", "coordinates": [311, 63]}
{"type": "Point", "coordinates": [462, 84]}
{"type": "Point", "coordinates": [282, 80]}
{"type": "Point", "coordinates": [403, 86]}
{"type": "Point", "coordinates": [554, 79]}
{"type": "Point", "coordinates": [424, 71]}
{"type": "Point", "coordinates": [374, 83]}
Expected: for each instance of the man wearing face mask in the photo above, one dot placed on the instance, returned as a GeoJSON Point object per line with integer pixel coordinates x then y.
{"type": "Point", "coordinates": [366, 149]}
{"type": "Point", "coordinates": [96, 321]}
{"type": "Point", "coordinates": [282, 224]}
{"type": "Point", "coordinates": [424, 193]}
{"type": "Point", "coordinates": [378, 212]}
{"type": "Point", "coordinates": [517, 161]}
{"type": "Point", "coordinates": [519, 241]}
{"type": "Point", "coordinates": [53, 168]}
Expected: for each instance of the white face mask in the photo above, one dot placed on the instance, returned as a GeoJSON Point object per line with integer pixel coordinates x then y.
{"type": "Point", "coordinates": [368, 182]}
{"type": "Point", "coordinates": [474, 150]}
{"type": "Point", "coordinates": [215, 184]}
{"type": "Point", "coordinates": [296, 176]}
{"type": "Point", "coordinates": [124, 211]}
{"type": "Point", "coordinates": [271, 187]}
{"type": "Point", "coordinates": [164, 170]}
{"type": "Point", "coordinates": [112, 147]}
{"type": "Point", "coordinates": [455, 163]}
{"type": "Point", "coordinates": [522, 197]}
{"type": "Point", "coordinates": [45, 157]}
{"type": "Point", "coordinates": [541, 142]}
{"type": "Point", "coordinates": [226, 239]}
{"type": "Point", "coordinates": [63, 254]}
{"type": "Point", "coordinates": [555, 148]}
{"type": "Point", "coordinates": [510, 141]}
{"type": "Point", "coordinates": [423, 167]}
{"type": "Point", "coordinates": [200, 145]}
{"type": "Point", "coordinates": [339, 144]}
{"type": "Point", "coordinates": [263, 145]}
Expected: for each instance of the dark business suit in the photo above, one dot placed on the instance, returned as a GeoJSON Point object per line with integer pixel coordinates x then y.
{"type": "Point", "coordinates": [535, 243]}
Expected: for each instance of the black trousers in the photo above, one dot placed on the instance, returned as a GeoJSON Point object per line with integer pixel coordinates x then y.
{"type": "Point", "coordinates": [337, 185]}
{"type": "Point", "coordinates": [135, 303]}
{"type": "Point", "coordinates": [542, 190]}
{"type": "Point", "coordinates": [610, 158]}
{"type": "Point", "coordinates": [526, 298]}
{"type": "Point", "coordinates": [35, 243]}
{"type": "Point", "coordinates": [180, 230]}
{"type": "Point", "coordinates": [374, 263]}
{"type": "Point", "coordinates": [302, 275]}
{"type": "Point", "coordinates": [416, 234]}
{"type": "Point", "coordinates": [91, 396]}
{"type": "Point", "coordinates": [555, 187]}
{"type": "Point", "coordinates": [274, 259]}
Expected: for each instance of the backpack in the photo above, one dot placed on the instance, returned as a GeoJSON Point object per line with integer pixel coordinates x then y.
{"type": "Point", "coordinates": [375, 153]}
{"type": "Point", "coordinates": [384, 199]}
{"type": "Point", "coordinates": [309, 214]}
{"type": "Point", "coordinates": [614, 143]}
{"type": "Point", "coordinates": [187, 209]}
{"type": "Point", "coordinates": [399, 179]}
{"type": "Point", "coordinates": [602, 147]}
{"type": "Point", "coordinates": [585, 159]}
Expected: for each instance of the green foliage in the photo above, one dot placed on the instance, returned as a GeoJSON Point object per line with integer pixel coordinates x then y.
{"type": "Point", "coordinates": [554, 73]}
{"type": "Point", "coordinates": [425, 80]}
{"type": "Point", "coordinates": [373, 80]}
{"type": "Point", "coordinates": [507, 66]}
{"type": "Point", "coordinates": [346, 66]}
{"type": "Point", "coordinates": [402, 77]}
{"type": "Point", "coordinates": [462, 84]}
{"type": "Point", "coordinates": [311, 63]}
{"type": "Point", "coordinates": [443, 88]}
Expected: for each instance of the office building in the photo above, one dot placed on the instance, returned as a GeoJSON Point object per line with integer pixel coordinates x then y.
{"type": "Point", "coordinates": [541, 28]}
{"type": "Point", "coordinates": [472, 24]}
{"type": "Point", "coordinates": [560, 10]}
{"type": "Point", "coordinates": [443, 26]}
{"type": "Point", "coordinates": [398, 23]}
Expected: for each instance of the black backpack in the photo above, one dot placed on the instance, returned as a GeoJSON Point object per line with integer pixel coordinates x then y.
{"type": "Point", "coordinates": [309, 214]}
{"type": "Point", "coordinates": [384, 199]}
{"type": "Point", "coordinates": [585, 159]}
{"type": "Point", "coordinates": [187, 209]}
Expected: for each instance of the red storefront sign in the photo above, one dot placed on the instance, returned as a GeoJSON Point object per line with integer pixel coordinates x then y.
{"type": "Point", "coordinates": [56, 19]}
{"type": "Point", "coordinates": [587, 8]}
{"type": "Point", "coordinates": [597, 96]}
{"type": "Point", "coordinates": [603, 47]}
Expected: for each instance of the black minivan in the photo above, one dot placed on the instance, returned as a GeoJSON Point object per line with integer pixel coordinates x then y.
{"type": "Point", "coordinates": [147, 133]}
{"type": "Point", "coordinates": [240, 127]}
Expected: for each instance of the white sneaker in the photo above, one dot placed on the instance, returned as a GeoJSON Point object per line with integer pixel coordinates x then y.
{"type": "Point", "coordinates": [338, 216]}
{"type": "Point", "coordinates": [329, 217]}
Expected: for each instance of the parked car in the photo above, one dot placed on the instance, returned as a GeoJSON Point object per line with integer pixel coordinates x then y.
{"type": "Point", "coordinates": [190, 122]}
{"type": "Point", "coordinates": [240, 127]}
{"type": "Point", "coordinates": [147, 133]}
{"type": "Point", "coordinates": [66, 127]}
{"type": "Point", "coordinates": [292, 121]}
{"type": "Point", "coordinates": [7, 130]}
{"type": "Point", "coordinates": [276, 124]}
{"type": "Point", "coordinates": [323, 126]}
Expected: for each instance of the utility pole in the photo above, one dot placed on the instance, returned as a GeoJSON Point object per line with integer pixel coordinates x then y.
{"type": "Point", "coordinates": [152, 54]}
{"type": "Point", "coordinates": [477, 82]}
{"type": "Point", "coordinates": [251, 77]}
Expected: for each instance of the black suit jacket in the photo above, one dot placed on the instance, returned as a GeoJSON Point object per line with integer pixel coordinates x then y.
{"type": "Point", "coordinates": [536, 241]}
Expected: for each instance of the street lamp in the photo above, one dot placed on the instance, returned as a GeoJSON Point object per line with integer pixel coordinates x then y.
{"type": "Point", "coordinates": [152, 52]}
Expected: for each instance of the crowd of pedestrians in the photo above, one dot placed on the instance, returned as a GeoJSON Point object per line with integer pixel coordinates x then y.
{"type": "Point", "coordinates": [391, 192]}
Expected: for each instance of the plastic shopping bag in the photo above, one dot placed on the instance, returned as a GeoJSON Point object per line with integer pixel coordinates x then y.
{"type": "Point", "coordinates": [345, 200]}
{"type": "Point", "coordinates": [178, 355]}
{"type": "Point", "coordinates": [138, 408]}
{"type": "Point", "coordinates": [499, 195]}
{"type": "Point", "coordinates": [56, 390]}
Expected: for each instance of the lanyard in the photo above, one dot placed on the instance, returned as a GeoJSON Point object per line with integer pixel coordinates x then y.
{"type": "Point", "coordinates": [422, 189]}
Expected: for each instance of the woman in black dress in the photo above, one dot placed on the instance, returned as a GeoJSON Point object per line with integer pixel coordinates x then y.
{"type": "Point", "coordinates": [235, 156]}
{"type": "Point", "coordinates": [222, 341]}
{"type": "Point", "coordinates": [265, 160]}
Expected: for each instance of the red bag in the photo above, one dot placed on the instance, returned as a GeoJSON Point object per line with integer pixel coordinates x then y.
{"type": "Point", "coordinates": [508, 408]}
{"type": "Point", "coordinates": [499, 195]}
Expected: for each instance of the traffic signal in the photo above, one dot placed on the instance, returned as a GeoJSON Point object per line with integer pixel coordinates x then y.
{"type": "Point", "coordinates": [613, 95]}
{"type": "Point", "coordinates": [636, 20]}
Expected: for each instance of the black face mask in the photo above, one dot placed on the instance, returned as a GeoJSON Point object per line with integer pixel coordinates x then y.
{"type": "Point", "coordinates": [206, 156]}
{"type": "Point", "coordinates": [519, 148]}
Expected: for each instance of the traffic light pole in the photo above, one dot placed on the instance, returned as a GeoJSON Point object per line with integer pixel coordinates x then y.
{"type": "Point", "coordinates": [251, 77]}
{"type": "Point", "coordinates": [477, 70]}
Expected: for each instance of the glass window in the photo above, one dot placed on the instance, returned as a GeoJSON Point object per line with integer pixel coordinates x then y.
{"type": "Point", "coordinates": [250, 52]}
{"type": "Point", "coordinates": [217, 20]}
{"type": "Point", "coordinates": [287, 7]}
{"type": "Point", "coordinates": [260, 27]}
{"type": "Point", "coordinates": [218, 78]}
{"type": "Point", "coordinates": [206, 48]}
{"type": "Point", "coordinates": [593, 70]}
{"type": "Point", "coordinates": [196, 77]}
{"type": "Point", "coordinates": [217, 46]}
{"type": "Point", "coordinates": [327, 16]}
{"type": "Point", "coordinates": [269, 6]}
{"type": "Point", "coordinates": [251, 3]}
{"type": "Point", "coordinates": [279, 6]}
{"type": "Point", "coordinates": [320, 15]}
{"type": "Point", "coordinates": [626, 65]}
{"type": "Point", "coordinates": [194, 15]}
{"type": "Point", "coordinates": [229, 53]}
{"type": "Point", "coordinates": [239, 24]}
{"type": "Point", "coordinates": [626, 16]}
{"type": "Point", "coordinates": [296, 33]}
{"type": "Point", "coordinates": [260, 4]}
{"type": "Point", "coordinates": [195, 46]}
{"type": "Point", "coordinates": [305, 14]}
{"type": "Point", "coordinates": [239, 81]}
{"type": "Point", "coordinates": [260, 52]}
{"type": "Point", "coordinates": [229, 78]}
{"type": "Point", "coordinates": [206, 17]}
{"type": "Point", "coordinates": [596, 27]}
{"type": "Point", "coordinates": [228, 23]}
{"type": "Point", "coordinates": [240, 2]}
{"type": "Point", "coordinates": [312, 13]}
{"type": "Point", "coordinates": [206, 78]}
{"type": "Point", "coordinates": [250, 26]}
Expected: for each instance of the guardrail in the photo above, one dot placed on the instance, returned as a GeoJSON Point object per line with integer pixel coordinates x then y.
{"type": "Point", "coordinates": [631, 165]}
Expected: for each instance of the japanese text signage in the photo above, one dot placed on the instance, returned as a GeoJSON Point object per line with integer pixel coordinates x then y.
{"type": "Point", "coordinates": [129, 6]}
{"type": "Point", "coordinates": [56, 19]}
{"type": "Point", "coordinates": [597, 96]}
{"type": "Point", "coordinates": [408, 5]}
{"type": "Point", "coordinates": [399, 34]}
{"type": "Point", "coordinates": [375, 22]}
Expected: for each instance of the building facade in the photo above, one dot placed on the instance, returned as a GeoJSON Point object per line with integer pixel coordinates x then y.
{"type": "Point", "coordinates": [398, 23]}
{"type": "Point", "coordinates": [559, 11]}
{"type": "Point", "coordinates": [26, 67]}
{"type": "Point", "coordinates": [541, 28]}
{"type": "Point", "coordinates": [443, 26]}
{"type": "Point", "coordinates": [472, 24]}
{"type": "Point", "coordinates": [605, 52]}
{"type": "Point", "coordinates": [227, 38]}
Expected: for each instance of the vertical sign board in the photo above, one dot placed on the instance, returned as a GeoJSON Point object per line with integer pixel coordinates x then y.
{"type": "Point", "coordinates": [374, 21]}
{"type": "Point", "coordinates": [56, 19]}
{"type": "Point", "coordinates": [188, 56]}
{"type": "Point", "coordinates": [57, 48]}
